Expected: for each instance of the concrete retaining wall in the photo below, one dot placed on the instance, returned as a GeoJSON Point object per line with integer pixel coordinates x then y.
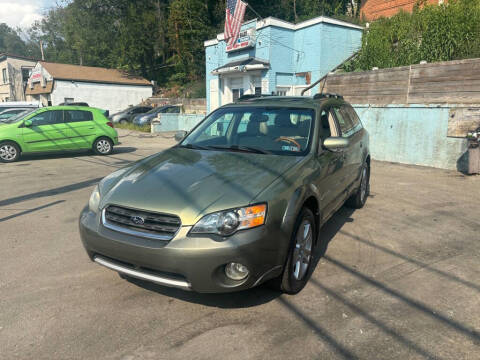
{"type": "Point", "coordinates": [176, 122]}
{"type": "Point", "coordinates": [413, 134]}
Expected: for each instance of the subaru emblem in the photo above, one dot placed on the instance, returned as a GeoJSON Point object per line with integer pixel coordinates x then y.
{"type": "Point", "coordinates": [137, 220]}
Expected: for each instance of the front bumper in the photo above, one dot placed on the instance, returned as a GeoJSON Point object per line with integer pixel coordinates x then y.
{"type": "Point", "coordinates": [190, 263]}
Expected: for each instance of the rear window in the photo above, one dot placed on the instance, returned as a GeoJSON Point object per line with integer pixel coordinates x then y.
{"type": "Point", "coordinates": [78, 116]}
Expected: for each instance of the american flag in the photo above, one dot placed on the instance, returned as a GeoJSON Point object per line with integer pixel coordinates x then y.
{"type": "Point", "coordinates": [234, 19]}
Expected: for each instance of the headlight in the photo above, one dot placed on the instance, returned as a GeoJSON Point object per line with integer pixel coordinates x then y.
{"type": "Point", "coordinates": [227, 222]}
{"type": "Point", "coordinates": [94, 201]}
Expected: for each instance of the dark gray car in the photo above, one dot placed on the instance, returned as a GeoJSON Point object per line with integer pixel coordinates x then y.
{"type": "Point", "coordinates": [146, 119]}
{"type": "Point", "coordinates": [127, 115]}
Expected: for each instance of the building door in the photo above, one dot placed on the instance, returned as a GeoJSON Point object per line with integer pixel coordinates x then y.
{"type": "Point", "coordinates": [214, 84]}
{"type": "Point", "coordinates": [236, 86]}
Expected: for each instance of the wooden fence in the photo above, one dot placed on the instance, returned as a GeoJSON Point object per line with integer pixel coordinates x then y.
{"type": "Point", "coordinates": [452, 82]}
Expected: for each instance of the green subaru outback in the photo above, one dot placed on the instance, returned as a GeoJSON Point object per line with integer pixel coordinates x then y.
{"type": "Point", "coordinates": [239, 201]}
{"type": "Point", "coordinates": [56, 128]}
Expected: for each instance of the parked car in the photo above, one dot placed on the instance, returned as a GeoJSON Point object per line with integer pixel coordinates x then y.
{"type": "Point", "coordinates": [19, 104]}
{"type": "Point", "coordinates": [146, 119]}
{"type": "Point", "coordinates": [127, 115]}
{"type": "Point", "coordinates": [74, 104]}
{"type": "Point", "coordinates": [7, 114]}
{"type": "Point", "coordinates": [238, 202]}
{"type": "Point", "coordinates": [56, 128]}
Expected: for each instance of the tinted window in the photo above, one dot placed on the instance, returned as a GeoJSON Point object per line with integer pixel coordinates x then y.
{"type": "Point", "coordinates": [344, 122]}
{"type": "Point", "coordinates": [77, 116]}
{"type": "Point", "coordinates": [136, 111]}
{"type": "Point", "coordinates": [173, 110]}
{"type": "Point", "coordinates": [48, 118]}
{"type": "Point", "coordinates": [357, 124]}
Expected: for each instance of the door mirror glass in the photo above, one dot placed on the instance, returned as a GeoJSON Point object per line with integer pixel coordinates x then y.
{"type": "Point", "coordinates": [28, 123]}
{"type": "Point", "coordinates": [335, 143]}
{"type": "Point", "coordinates": [180, 135]}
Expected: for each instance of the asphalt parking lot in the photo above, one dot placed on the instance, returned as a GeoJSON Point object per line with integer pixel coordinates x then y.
{"type": "Point", "coordinates": [400, 279]}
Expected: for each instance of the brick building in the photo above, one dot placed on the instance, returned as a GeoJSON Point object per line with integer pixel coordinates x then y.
{"type": "Point", "coordinates": [374, 9]}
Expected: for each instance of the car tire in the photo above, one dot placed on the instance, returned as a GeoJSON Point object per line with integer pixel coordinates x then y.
{"type": "Point", "coordinates": [103, 146]}
{"type": "Point", "coordinates": [359, 198]}
{"type": "Point", "coordinates": [123, 122]}
{"type": "Point", "coordinates": [9, 152]}
{"type": "Point", "coordinates": [296, 272]}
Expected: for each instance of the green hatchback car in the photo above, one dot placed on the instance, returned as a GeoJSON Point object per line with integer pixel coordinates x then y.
{"type": "Point", "coordinates": [239, 201]}
{"type": "Point", "coordinates": [56, 128]}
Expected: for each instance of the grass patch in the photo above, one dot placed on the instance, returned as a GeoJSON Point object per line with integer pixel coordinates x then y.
{"type": "Point", "coordinates": [128, 126]}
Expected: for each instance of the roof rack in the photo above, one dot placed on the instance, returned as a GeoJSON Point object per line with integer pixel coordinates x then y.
{"type": "Point", "coordinates": [252, 96]}
{"type": "Point", "coordinates": [328, 96]}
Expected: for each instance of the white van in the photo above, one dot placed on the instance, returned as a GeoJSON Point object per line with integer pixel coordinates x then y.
{"type": "Point", "coordinates": [19, 104]}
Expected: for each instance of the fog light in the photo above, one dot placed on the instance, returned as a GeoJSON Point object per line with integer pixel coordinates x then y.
{"type": "Point", "coordinates": [236, 271]}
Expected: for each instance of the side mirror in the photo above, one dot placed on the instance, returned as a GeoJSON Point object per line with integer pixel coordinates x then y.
{"type": "Point", "coordinates": [180, 135]}
{"type": "Point", "coordinates": [335, 143]}
{"type": "Point", "coordinates": [220, 128]}
{"type": "Point", "coordinates": [28, 123]}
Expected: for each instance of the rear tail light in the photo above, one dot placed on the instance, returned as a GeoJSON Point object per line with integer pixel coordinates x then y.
{"type": "Point", "coordinates": [110, 124]}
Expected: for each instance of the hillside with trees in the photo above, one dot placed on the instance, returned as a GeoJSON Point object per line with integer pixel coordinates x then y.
{"type": "Point", "coordinates": [161, 40]}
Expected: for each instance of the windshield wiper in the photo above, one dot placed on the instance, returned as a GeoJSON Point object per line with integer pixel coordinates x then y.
{"type": "Point", "coordinates": [241, 148]}
{"type": "Point", "coordinates": [194, 147]}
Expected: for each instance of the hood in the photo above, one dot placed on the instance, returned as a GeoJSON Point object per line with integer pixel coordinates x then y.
{"type": "Point", "coordinates": [140, 117]}
{"type": "Point", "coordinates": [145, 117]}
{"type": "Point", "coordinates": [192, 183]}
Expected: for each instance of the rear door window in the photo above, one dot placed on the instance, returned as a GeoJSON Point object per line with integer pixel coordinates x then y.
{"type": "Point", "coordinates": [343, 119]}
{"type": "Point", "coordinates": [357, 124]}
{"type": "Point", "coordinates": [73, 116]}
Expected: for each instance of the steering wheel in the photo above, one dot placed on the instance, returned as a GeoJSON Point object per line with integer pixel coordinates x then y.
{"type": "Point", "coordinates": [289, 140]}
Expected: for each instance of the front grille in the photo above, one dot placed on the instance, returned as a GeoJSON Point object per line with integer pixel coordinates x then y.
{"type": "Point", "coordinates": [141, 223]}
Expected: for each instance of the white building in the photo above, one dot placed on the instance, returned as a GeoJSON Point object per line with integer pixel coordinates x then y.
{"type": "Point", "coordinates": [15, 71]}
{"type": "Point", "coordinates": [108, 89]}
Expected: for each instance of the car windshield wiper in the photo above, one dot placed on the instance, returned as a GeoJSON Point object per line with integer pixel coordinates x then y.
{"type": "Point", "coordinates": [241, 148]}
{"type": "Point", "coordinates": [194, 147]}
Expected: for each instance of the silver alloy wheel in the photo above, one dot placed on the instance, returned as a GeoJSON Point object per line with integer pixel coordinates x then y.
{"type": "Point", "coordinates": [103, 146]}
{"type": "Point", "coordinates": [363, 185]}
{"type": "Point", "coordinates": [303, 250]}
{"type": "Point", "coordinates": [8, 152]}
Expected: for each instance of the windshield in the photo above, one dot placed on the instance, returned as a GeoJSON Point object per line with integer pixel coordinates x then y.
{"type": "Point", "coordinates": [18, 117]}
{"type": "Point", "coordinates": [270, 130]}
{"type": "Point", "coordinates": [156, 110]}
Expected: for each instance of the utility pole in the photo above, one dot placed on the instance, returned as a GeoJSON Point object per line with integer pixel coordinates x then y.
{"type": "Point", "coordinates": [41, 49]}
{"type": "Point", "coordinates": [295, 10]}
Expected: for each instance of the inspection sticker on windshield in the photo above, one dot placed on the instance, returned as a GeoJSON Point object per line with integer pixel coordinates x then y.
{"type": "Point", "coordinates": [290, 148]}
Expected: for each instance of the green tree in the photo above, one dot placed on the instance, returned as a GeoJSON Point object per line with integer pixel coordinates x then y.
{"type": "Point", "coordinates": [188, 27]}
{"type": "Point", "coordinates": [11, 42]}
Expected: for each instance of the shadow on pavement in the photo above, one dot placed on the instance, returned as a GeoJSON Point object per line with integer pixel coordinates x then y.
{"type": "Point", "coordinates": [73, 153]}
{"type": "Point", "coordinates": [51, 192]}
{"type": "Point", "coordinates": [29, 211]}
{"type": "Point", "coordinates": [243, 299]}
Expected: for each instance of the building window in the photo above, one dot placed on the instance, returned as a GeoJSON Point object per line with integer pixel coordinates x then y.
{"type": "Point", "coordinates": [258, 90]}
{"type": "Point", "coordinates": [25, 74]}
{"type": "Point", "coordinates": [4, 73]}
{"type": "Point", "coordinates": [283, 90]}
{"type": "Point", "coordinates": [68, 100]}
